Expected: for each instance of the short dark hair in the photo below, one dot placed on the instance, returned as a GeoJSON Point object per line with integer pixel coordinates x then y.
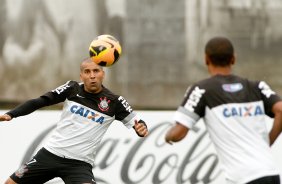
{"type": "Point", "coordinates": [85, 60]}
{"type": "Point", "coordinates": [220, 51]}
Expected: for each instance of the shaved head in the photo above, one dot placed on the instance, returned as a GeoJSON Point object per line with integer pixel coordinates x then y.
{"type": "Point", "coordinates": [87, 60]}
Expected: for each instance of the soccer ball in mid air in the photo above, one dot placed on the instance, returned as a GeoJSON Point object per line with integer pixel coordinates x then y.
{"type": "Point", "coordinates": [105, 50]}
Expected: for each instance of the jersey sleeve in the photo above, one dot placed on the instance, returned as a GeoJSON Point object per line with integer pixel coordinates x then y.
{"type": "Point", "coordinates": [125, 113]}
{"type": "Point", "coordinates": [269, 97]}
{"type": "Point", "coordinates": [49, 98]}
{"type": "Point", "coordinates": [192, 107]}
{"type": "Point", "coordinates": [28, 107]}
{"type": "Point", "coordinates": [61, 93]}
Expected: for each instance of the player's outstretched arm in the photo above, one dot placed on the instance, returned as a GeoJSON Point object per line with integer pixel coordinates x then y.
{"type": "Point", "coordinates": [140, 128]}
{"type": "Point", "coordinates": [277, 124]}
{"type": "Point", "coordinates": [27, 108]}
{"type": "Point", "coordinates": [176, 133]}
{"type": "Point", "coordinates": [5, 117]}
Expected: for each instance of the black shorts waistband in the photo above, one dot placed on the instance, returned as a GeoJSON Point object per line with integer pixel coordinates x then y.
{"type": "Point", "coordinates": [47, 153]}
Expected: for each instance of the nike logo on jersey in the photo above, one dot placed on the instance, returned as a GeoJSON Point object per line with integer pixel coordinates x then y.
{"type": "Point", "coordinates": [32, 161]}
{"type": "Point", "coordinates": [83, 112]}
{"type": "Point", "coordinates": [79, 96]}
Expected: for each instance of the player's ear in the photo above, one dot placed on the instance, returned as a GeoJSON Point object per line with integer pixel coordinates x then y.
{"type": "Point", "coordinates": [207, 60]}
{"type": "Point", "coordinates": [80, 77]}
{"type": "Point", "coordinates": [233, 59]}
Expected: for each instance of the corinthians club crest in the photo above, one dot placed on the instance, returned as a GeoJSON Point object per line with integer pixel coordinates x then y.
{"type": "Point", "coordinates": [104, 104]}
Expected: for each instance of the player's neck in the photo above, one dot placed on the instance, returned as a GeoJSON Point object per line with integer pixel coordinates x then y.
{"type": "Point", "coordinates": [220, 70]}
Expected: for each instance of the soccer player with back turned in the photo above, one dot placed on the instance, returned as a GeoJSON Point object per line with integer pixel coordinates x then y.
{"type": "Point", "coordinates": [233, 109]}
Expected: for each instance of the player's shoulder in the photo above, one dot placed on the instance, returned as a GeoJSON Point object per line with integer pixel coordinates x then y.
{"type": "Point", "coordinates": [217, 82]}
{"type": "Point", "coordinates": [225, 79]}
{"type": "Point", "coordinates": [110, 94]}
{"type": "Point", "coordinates": [74, 85]}
{"type": "Point", "coordinates": [66, 87]}
{"type": "Point", "coordinates": [113, 96]}
{"type": "Point", "coordinates": [71, 83]}
{"type": "Point", "coordinates": [251, 84]}
{"type": "Point", "coordinates": [205, 83]}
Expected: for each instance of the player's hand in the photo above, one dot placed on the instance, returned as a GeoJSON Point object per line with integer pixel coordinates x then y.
{"type": "Point", "coordinates": [141, 129]}
{"type": "Point", "coordinates": [5, 117]}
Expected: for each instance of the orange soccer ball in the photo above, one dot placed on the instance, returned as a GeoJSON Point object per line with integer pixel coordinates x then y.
{"type": "Point", "coordinates": [105, 50]}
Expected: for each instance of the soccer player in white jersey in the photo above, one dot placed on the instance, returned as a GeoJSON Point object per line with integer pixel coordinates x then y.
{"type": "Point", "coordinates": [233, 109]}
{"type": "Point", "coordinates": [89, 109]}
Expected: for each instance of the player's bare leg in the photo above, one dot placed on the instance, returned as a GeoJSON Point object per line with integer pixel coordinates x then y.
{"type": "Point", "coordinates": [10, 181]}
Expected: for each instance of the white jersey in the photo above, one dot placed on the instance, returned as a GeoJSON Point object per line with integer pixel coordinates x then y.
{"type": "Point", "coordinates": [84, 120]}
{"type": "Point", "coordinates": [234, 112]}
